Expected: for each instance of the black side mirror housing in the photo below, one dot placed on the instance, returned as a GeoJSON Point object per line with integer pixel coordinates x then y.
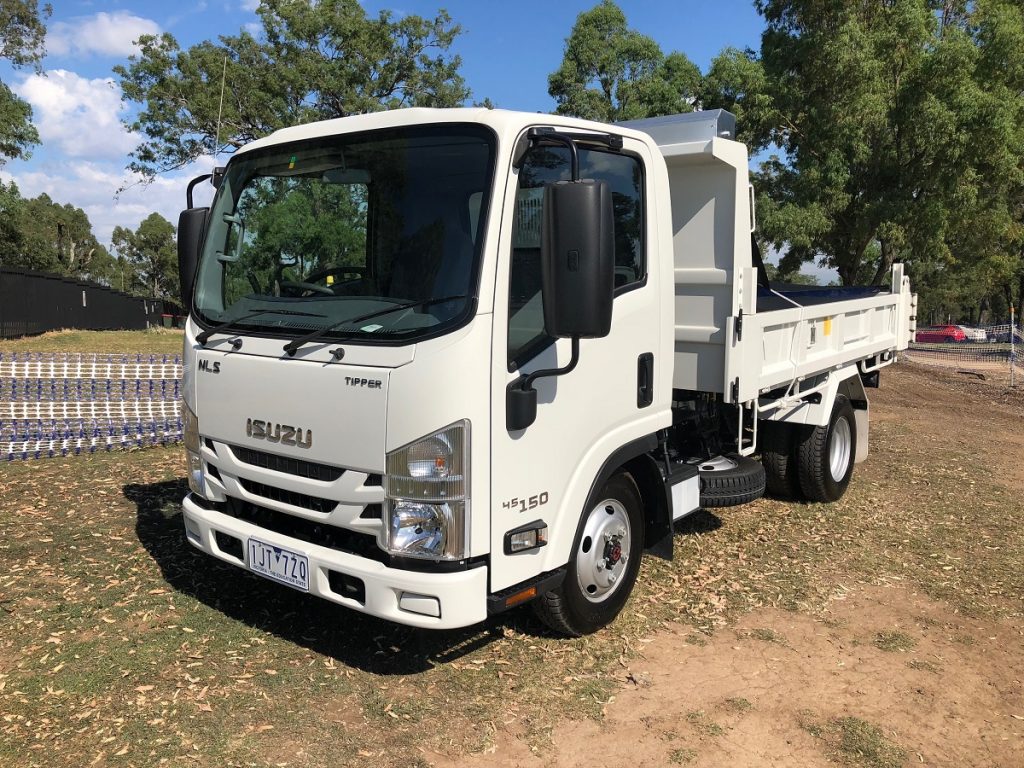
{"type": "Point", "coordinates": [191, 224]}
{"type": "Point", "coordinates": [577, 280]}
{"type": "Point", "coordinates": [578, 259]}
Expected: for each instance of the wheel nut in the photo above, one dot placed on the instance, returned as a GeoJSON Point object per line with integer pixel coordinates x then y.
{"type": "Point", "coordinates": [612, 578]}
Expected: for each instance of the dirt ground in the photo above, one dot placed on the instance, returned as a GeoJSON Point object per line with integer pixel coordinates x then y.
{"type": "Point", "coordinates": [764, 692]}
{"type": "Point", "coordinates": [882, 631]}
{"type": "Point", "coordinates": [881, 675]}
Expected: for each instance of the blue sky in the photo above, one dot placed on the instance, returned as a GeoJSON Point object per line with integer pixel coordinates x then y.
{"type": "Point", "coordinates": [508, 49]}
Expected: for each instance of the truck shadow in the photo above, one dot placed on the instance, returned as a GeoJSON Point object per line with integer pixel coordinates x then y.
{"type": "Point", "coordinates": [698, 523]}
{"type": "Point", "coordinates": [357, 640]}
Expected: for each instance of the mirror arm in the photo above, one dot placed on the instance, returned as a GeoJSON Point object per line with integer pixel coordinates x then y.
{"type": "Point", "coordinates": [574, 155]}
{"type": "Point", "coordinates": [192, 185]}
{"type": "Point", "coordinates": [526, 382]}
{"type": "Point", "coordinates": [521, 397]}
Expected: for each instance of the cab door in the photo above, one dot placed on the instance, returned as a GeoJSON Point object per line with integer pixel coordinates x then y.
{"type": "Point", "coordinates": [618, 392]}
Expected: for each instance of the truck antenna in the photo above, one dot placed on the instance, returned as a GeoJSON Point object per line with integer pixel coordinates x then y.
{"type": "Point", "coordinates": [220, 107]}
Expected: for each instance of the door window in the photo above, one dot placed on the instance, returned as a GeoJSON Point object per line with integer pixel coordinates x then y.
{"type": "Point", "coordinates": [544, 164]}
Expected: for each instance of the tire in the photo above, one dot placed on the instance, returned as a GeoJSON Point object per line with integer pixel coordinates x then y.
{"type": "Point", "coordinates": [730, 480]}
{"type": "Point", "coordinates": [778, 455]}
{"type": "Point", "coordinates": [588, 599]}
{"type": "Point", "coordinates": [825, 455]}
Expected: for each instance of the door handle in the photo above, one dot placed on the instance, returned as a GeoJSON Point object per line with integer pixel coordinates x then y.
{"type": "Point", "coordinates": [645, 380]}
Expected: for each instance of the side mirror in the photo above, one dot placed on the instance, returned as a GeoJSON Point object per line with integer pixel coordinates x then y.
{"type": "Point", "coordinates": [578, 258]}
{"type": "Point", "coordinates": [577, 280]}
{"type": "Point", "coordinates": [191, 224]}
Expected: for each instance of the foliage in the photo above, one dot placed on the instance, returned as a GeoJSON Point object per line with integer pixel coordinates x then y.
{"type": "Point", "coordinates": [898, 127]}
{"type": "Point", "coordinates": [148, 257]}
{"type": "Point", "coordinates": [11, 212]}
{"type": "Point", "coordinates": [736, 81]}
{"type": "Point", "coordinates": [775, 275]}
{"type": "Point", "coordinates": [312, 61]}
{"type": "Point", "coordinates": [610, 72]}
{"type": "Point", "coordinates": [22, 36]}
{"type": "Point", "coordinates": [45, 235]}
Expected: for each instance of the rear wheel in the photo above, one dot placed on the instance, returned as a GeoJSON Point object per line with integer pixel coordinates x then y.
{"type": "Point", "coordinates": [825, 455]}
{"type": "Point", "coordinates": [604, 563]}
{"type": "Point", "coordinates": [778, 455]}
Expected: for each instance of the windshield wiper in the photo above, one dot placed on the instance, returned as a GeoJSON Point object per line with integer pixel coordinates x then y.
{"type": "Point", "coordinates": [204, 336]}
{"type": "Point", "coordinates": [294, 344]}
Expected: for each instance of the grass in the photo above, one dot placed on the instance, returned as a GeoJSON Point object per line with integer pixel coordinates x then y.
{"type": "Point", "coordinates": [118, 637]}
{"type": "Point", "coordinates": [855, 742]}
{"type": "Point", "coordinates": [681, 756]}
{"type": "Point", "coordinates": [153, 341]}
{"type": "Point", "coordinates": [704, 725]}
{"type": "Point", "coordinates": [894, 641]}
{"type": "Point", "coordinates": [767, 635]}
{"type": "Point", "coordinates": [738, 704]}
{"type": "Point", "coordinates": [862, 743]}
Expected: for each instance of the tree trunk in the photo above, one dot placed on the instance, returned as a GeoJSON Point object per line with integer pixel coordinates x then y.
{"type": "Point", "coordinates": [884, 263]}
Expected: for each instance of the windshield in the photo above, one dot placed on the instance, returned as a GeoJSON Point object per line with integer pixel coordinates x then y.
{"type": "Point", "coordinates": [368, 237]}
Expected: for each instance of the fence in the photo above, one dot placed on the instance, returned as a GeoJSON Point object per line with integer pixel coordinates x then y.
{"type": "Point", "coordinates": [996, 349]}
{"type": "Point", "coordinates": [55, 404]}
{"type": "Point", "coordinates": [34, 302]}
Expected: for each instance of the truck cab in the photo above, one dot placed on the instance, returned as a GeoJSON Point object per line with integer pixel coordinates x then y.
{"type": "Point", "coordinates": [441, 363]}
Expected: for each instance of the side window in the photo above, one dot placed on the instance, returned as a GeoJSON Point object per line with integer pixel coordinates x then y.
{"type": "Point", "coordinates": [624, 173]}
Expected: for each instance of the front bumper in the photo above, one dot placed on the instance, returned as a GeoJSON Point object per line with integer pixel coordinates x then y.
{"type": "Point", "coordinates": [461, 597]}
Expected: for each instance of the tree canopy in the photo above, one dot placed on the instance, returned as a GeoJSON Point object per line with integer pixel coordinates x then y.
{"type": "Point", "coordinates": [312, 61]}
{"type": "Point", "coordinates": [147, 257]}
{"type": "Point", "coordinates": [22, 37]}
{"type": "Point", "coordinates": [893, 126]}
{"type": "Point", "coordinates": [884, 131]}
{"type": "Point", "coordinates": [610, 72]}
{"type": "Point", "coordinates": [42, 234]}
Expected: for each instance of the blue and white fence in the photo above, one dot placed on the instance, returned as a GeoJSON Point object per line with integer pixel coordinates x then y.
{"type": "Point", "coordinates": [55, 404]}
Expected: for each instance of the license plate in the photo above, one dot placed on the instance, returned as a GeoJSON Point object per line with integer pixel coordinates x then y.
{"type": "Point", "coordinates": [279, 564]}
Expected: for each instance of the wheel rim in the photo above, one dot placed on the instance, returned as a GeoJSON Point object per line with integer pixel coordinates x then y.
{"type": "Point", "coordinates": [603, 551]}
{"type": "Point", "coordinates": [839, 449]}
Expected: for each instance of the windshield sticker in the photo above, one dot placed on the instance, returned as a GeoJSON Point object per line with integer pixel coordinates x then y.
{"type": "Point", "coordinates": [371, 328]}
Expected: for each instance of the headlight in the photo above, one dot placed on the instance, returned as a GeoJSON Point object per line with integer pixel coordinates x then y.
{"type": "Point", "coordinates": [426, 510]}
{"type": "Point", "coordinates": [193, 461]}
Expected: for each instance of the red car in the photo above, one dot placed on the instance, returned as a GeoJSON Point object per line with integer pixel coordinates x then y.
{"type": "Point", "coordinates": [941, 334]}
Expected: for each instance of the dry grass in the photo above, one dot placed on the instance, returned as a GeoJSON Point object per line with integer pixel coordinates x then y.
{"type": "Point", "coordinates": [154, 341]}
{"type": "Point", "coordinates": [123, 646]}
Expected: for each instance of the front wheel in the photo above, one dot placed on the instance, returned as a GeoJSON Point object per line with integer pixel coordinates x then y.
{"type": "Point", "coordinates": [604, 563]}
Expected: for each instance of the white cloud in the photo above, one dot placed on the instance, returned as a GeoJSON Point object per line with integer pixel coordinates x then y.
{"type": "Point", "coordinates": [80, 117]}
{"type": "Point", "coordinates": [108, 34]}
{"type": "Point", "coordinates": [249, 5]}
{"type": "Point", "coordinates": [93, 187]}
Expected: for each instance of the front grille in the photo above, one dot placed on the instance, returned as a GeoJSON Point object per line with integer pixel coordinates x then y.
{"type": "Point", "coordinates": [330, 536]}
{"type": "Point", "coordinates": [287, 465]}
{"type": "Point", "coordinates": [312, 503]}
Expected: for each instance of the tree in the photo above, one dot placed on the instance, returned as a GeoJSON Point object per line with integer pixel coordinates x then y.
{"type": "Point", "coordinates": [52, 237]}
{"type": "Point", "coordinates": [610, 72]}
{"type": "Point", "coordinates": [11, 212]}
{"type": "Point", "coordinates": [895, 131]}
{"type": "Point", "coordinates": [314, 60]}
{"type": "Point", "coordinates": [22, 36]}
{"type": "Point", "coordinates": [149, 256]}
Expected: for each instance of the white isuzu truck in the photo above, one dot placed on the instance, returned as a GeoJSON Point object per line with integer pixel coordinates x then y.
{"type": "Point", "coordinates": [440, 363]}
